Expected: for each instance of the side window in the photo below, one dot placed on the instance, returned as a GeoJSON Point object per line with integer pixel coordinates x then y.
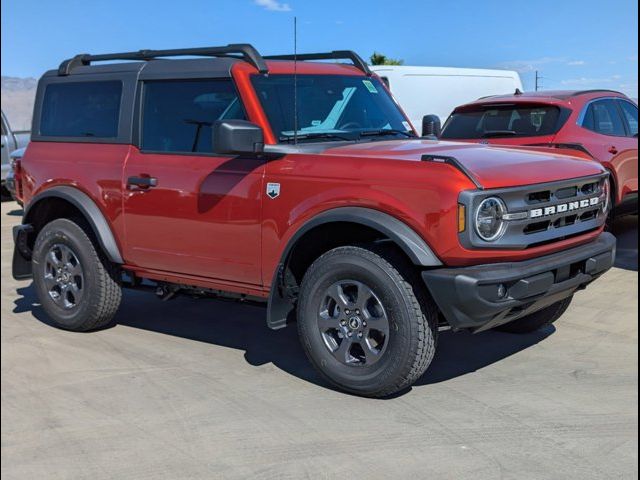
{"type": "Point", "coordinates": [81, 109]}
{"type": "Point", "coordinates": [630, 112]}
{"type": "Point", "coordinates": [603, 117]}
{"type": "Point", "coordinates": [177, 116]}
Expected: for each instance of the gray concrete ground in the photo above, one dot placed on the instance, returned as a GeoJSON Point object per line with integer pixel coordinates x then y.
{"type": "Point", "coordinates": [202, 389]}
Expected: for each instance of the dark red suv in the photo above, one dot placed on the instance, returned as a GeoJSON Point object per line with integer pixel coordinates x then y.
{"type": "Point", "coordinates": [300, 185]}
{"type": "Point", "coordinates": [600, 123]}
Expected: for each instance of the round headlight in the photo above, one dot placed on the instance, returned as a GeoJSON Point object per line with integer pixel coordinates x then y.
{"type": "Point", "coordinates": [488, 220]}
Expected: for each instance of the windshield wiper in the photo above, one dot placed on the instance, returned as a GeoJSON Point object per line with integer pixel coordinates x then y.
{"type": "Point", "coordinates": [312, 136]}
{"type": "Point", "coordinates": [498, 133]}
{"type": "Point", "coordinates": [386, 131]}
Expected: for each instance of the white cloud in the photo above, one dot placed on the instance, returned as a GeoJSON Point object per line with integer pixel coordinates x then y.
{"type": "Point", "coordinates": [273, 5]}
{"type": "Point", "coordinates": [587, 81]}
{"type": "Point", "coordinates": [630, 89]}
{"type": "Point", "coordinates": [576, 63]}
{"type": "Point", "coordinates": [524, 66]}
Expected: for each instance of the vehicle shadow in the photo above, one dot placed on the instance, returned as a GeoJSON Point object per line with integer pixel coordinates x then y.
{"type": "Point", "coordinates": [626, 231]}
{"type": "Point", "coordinates": [461, 353]}
{"type": "Point", "coordinates": [243, 327]}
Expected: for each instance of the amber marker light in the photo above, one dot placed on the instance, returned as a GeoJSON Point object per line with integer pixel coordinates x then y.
{"type": "Point", "coordinates": [462, 216]}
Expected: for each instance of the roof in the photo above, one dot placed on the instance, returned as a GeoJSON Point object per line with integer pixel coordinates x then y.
{"type": "Point", "coordinates": [185, 67]}
{"type": "Point", "coordinates": [551, 94]}
{"type": "Point", "coordinates": [201, 68]}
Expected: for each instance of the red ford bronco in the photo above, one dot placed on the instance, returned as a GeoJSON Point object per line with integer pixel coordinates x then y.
{"type": "Point", "coordinates": [301, 185]}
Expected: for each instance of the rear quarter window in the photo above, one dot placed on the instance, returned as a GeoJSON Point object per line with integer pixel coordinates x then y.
{"type": "Point", "coordinates": [81, 109]}
{"type": "Point", "coordinates": [603, 117]}
{"type": "Point", "coordinates": [503, 122]}
{"type": "Point", "coordinates": [630, 112]}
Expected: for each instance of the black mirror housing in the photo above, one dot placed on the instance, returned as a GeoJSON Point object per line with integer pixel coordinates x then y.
{"type": "Point", "coordinates": [237, 137]}
{"type": "Point", "coordinates": [431, 126]}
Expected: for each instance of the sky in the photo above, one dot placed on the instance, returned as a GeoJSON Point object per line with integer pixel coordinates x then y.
{"type": "Point", "coordinates": [574, 44]}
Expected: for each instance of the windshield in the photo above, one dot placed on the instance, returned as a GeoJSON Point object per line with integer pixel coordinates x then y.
{"type": "Point", "coordinates": [503, 121]}
{"type": "Point", "coordinates": [329, 107]}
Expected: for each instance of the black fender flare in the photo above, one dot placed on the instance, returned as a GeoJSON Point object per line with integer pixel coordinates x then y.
{"type": "Point", "coordinates": [279, 307]}
{"type": "Point", "coordinates": [91, 212]}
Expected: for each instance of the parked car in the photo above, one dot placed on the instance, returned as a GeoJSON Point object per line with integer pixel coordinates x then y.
{"type": "Point", "coordinates": [601, 123]}
{"type": "Point", "coordinates": [438, 90]}
{"type": "Point", "coordinates": [208, 177]}
{"type": "Point", "coordinates": [11, 141]}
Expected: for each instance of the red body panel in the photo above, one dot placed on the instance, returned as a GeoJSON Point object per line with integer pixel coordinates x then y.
{"type": "Point", "coordinates": [209, 222]}
{"type": "Point", "coordinates": [202, 219]}
{"type": "Point", "coordinates": [492, 167]}
{"type": "Point", "coordinates": [619, 155]}
{"type": "Point", "coordinates": [96, 169]}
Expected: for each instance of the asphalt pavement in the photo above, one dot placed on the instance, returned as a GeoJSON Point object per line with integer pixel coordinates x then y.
{"type": "Point", "coordinates": [202, 389]}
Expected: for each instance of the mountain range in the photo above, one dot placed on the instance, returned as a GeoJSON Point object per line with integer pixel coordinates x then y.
{"type": "Point", "coordinates": [17, 96]}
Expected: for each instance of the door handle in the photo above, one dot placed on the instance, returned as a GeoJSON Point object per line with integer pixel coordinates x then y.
{"type": "Point", "coordinates": [142, 182]}
{"type": "Point", "coordinates": [613, 149]}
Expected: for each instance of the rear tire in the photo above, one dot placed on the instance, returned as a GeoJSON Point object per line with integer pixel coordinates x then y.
{"type": "Point", "coordinates": [538, 319]}
{"type": "Point", "coordinates": [77, 287]}
{"type": "Point", "coordinates": [362, 324]}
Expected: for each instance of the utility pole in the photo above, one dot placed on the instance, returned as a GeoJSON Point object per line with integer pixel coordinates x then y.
{"type": "Point", "coordinates": [538, 81]}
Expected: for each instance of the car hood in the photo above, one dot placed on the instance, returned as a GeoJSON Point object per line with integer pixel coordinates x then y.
{"type": "Point", "coordinates": [491, 166]}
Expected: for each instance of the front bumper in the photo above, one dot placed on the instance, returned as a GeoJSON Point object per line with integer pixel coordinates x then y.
{"type": "Point", "coordinates": [485, 296]}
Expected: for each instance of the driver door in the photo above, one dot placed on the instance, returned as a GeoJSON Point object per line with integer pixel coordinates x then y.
{"type": "Point", "coordinates": [187, 210]}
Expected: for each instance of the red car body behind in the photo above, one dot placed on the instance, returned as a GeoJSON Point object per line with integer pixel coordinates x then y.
{"type": "Point", "coordinates": [617, 152]}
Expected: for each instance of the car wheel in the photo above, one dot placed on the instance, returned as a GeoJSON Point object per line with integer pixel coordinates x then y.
{"type": "Point", "coordinates": [78, 288]}
{"type": "Point", "coordinates": [538, 319]}
{"type": "Point", "coordinates": [362, 324]}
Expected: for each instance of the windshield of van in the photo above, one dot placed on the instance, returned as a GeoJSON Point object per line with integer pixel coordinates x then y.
{"type": "Point", "coordinates": [330, 107]}
{"type": "Point", "coordinates": [502, 122]}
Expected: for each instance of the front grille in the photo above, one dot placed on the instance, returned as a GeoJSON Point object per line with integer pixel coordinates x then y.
{"type": "Point", "coordinates": [545, 213]}
{"type": "Point", "coordinates": [539, 197]}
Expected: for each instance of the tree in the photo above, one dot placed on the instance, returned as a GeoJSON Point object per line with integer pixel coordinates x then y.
{"type": "Point", "coordinates": [380, 59]}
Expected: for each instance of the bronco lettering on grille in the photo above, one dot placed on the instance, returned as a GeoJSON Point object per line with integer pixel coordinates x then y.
{"type": "Point", "coordinates": [564, 207]}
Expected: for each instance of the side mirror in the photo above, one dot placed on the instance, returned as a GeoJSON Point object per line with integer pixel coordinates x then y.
{"type": "Point", "coordinates": [431, 126]}
{"type": "Point", "coordinates": [237, 137]}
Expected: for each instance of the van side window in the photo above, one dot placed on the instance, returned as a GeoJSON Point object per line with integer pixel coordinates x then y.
{"type": "Point", "coordinates": [178, 115]}
{"type": "Point", "coordinates": [81, 109]}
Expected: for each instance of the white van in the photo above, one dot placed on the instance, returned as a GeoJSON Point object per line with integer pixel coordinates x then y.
{"type": "Point", "coordinates": [423, 91]}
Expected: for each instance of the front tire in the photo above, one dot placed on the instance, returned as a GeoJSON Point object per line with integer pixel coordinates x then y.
{"type": "Point", "coordinates": [78, 288]}
{"type": "Point", "coordinates": [538, 319]}
{"type": "Point", "coordinates": [362, 324]}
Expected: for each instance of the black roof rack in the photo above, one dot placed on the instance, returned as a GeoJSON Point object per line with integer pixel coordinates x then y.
{"type": "Point", "coordinates": [238, 50]}
{"type": "Point", "coordinates": [357, 61]}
